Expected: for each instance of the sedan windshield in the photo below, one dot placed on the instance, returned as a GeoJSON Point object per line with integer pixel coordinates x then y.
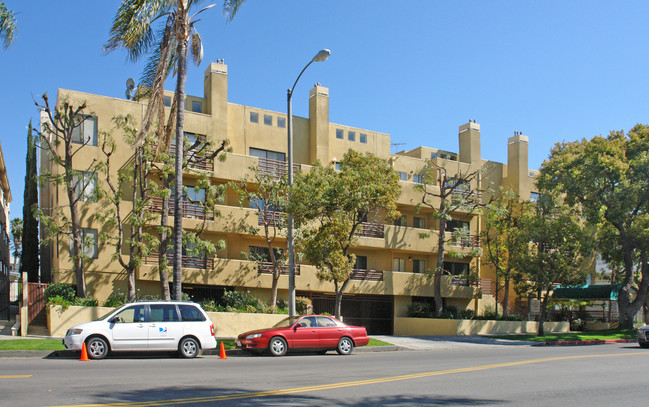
{"type": "Point", "coordinates": [286, 322]}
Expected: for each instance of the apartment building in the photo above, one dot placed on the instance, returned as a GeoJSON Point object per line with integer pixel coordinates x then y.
{"type": "Point", "coordinates": [393, 262]}
{"type": "Point", "coordinates": [5, 246]}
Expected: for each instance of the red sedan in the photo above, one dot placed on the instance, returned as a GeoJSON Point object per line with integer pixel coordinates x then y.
{"type": "Point", "coordinates": [308, 332]}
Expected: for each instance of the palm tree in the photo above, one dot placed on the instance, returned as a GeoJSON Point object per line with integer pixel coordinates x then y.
{"type": "Point", "coordinates": [7, 25]}
{"type": "Point", "coordinates": [132, 30]}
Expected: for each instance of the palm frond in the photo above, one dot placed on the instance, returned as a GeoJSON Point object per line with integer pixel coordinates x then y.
{"type": "Point", "coordinates": [197, 48]}
{"type": "Point", "coordinates": [231, 7]}
{"type": "Point", "coordinates": [132, 26]}
{"type": "Point", "coordinates": [8, 25]}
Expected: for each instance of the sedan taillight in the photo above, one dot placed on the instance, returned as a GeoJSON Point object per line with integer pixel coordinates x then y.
{"type": "Point", "coordinates": [212, 329]}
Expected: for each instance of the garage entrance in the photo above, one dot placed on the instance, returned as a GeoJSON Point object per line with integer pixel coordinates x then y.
{"type": "Point", "coordinates": [374, 312]}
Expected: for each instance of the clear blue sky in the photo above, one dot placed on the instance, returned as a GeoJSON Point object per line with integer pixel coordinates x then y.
{"type": "Point", "coordinates": [555, 70]}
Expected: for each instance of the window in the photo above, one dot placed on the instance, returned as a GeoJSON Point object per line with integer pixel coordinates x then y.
{"type": "Point", "coordinates": [454, 225]}
{"type": "Point", "coordinates": [268, 154]}
{"type": "Point", "coordinates": [418, 266]}
{"type": "Point", "coordinates": [163, 313]}
{"type": "Point", "coordinates": [85, 184]}
{"type": "Point", "coordinates": [418, 178]}
{"type": "Point", "coordinates": [401, 221]}
{"type": "Point", "coordinates": [254, 117]}
{"type": "Point", "coordinates": [326, 322]}
{"type": "Point", "coordinates": [86, 131]}
{"type": "Point", "coordinates": [88, 242]}
{"type": "Point", "coordinates": [196, 194]}
{"type": "Point", "coordinates": [340, 134]}
{"type": "Point", "coordinates": [403, 176]}
{"type": "Point", "coordinates": [433, 156]}
{"type": "Point", "coordinates": [351, 136]}
{"type": "Point", "coordinates": [259, 253]}
{"type": "Point", "coordinates": [419, 222]}
{"type": "Point", "coordinates": [190, 313]}
{"type": "Point", "coordinates": [268, 120]}
{"type": "Point", "coordinates": [534, 196]}
{"type": "Point", "coordinates": [398, 264]}
{"type": "Point", "coordinates": [281, 122]}
{"type": "Point", "coordinates": [361, 263]}
{"type": "Point", "coordinates": [363, 138]}
{"type": "Point", "coordinates": [197, 106]}
{"type": "Point", "coordinates": [168, 101]}
{"type": "Point", "coordinates": [131, 314]}
{"type": "Point", "coordinates": [456, 269]}
{"type": "Point", "coordinates": [337, 166]}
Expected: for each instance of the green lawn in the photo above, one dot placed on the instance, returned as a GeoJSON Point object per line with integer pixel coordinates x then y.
{"type": "Point", "coordinates": [376, 342]}
{"type": "Point", "coordinates": [574, 336]}
{"type": "Point", "coordinates": [31, 344]}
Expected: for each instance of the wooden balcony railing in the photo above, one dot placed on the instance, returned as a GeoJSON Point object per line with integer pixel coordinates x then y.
{"type": "Point", "coordinates": [362, 274]}
{"type": "Point", "coordinates": [188, 209]}
{"type": "Point", "coordinates": [196, 162]}
{"type": "Point", "coordinates": [465, 241]}
{"type": "Point", "coordinates": [369, 229]}
{"type": "Point", "coordinates": [272, 218]}
{"type": "Point", "coordinates": [266, 267]}
{"type": "Point", "coordinates": [189, 261]}
{"type": "Point", "coordinates": [275, 168]}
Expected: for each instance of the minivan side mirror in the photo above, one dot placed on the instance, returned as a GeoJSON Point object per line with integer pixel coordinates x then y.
{"type": "Point", "coordinates": [113, 320]}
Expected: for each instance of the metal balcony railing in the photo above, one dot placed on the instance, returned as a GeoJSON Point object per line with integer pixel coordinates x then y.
{"type": "Point", "coordinates": [275, 168]}
{"type": "Point", "coordinates": [465, 241]}
{"type": "Point", "coordinates": [189, 261]}
{"type": "Point", "coordinates": [266, 267]}
{"type": "Point", "coordinates": [199, 163]}
{"type": "Point", "coordinates": [188, 209]}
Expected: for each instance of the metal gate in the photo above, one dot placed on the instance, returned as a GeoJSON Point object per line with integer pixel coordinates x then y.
{"type": "Point", "coordinates": [374, 312]}
{"type": "Point", "coordinates": [36, 300]}
{"type": "Point", "coordinates": [4, 297]}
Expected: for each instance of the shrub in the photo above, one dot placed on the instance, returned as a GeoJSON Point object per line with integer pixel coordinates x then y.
{"type": "Point", "coordinates": [87, 302]}
{"type": "Point", "coordinates": [116, 299]}
{"type": "Point", "coordinates": [59, 300]}
{"type": "Point", "coordinates": [420, 310]}
{"type": "Point", "coordinates": [467, 314]}
{"type": "Point", "coordinates": [65, 291]}
{"type": "Point", "coordinates": [303, 305]}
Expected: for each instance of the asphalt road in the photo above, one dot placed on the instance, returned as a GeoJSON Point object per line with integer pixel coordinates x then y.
{"type": "Point", "coordinates": [599, 375]}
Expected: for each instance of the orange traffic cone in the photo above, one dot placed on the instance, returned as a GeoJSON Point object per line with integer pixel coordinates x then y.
{"type": "Point", "coordinates": [84, 353]}
{"type": "Point", "coordinates": [222, 353]}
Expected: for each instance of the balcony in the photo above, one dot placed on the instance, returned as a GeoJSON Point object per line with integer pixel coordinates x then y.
{"type": "Point", "coordinates": [465, 241]}
{"type": "Point", "coordinates": [205, 262]}
{"type": "Point", "coordinates": [188, 209]}
{"type": "Point", "coordinates": [266, 267]}
{"type": "Point", "coordinates": [276, 169]}
{"type": "Point", "coordinates": [194, 161]}
{"type": "Point", "coordinates": [368, 275]}
{"type": "Point", "coordinates": [272, 218]}
{"type": "Point", "coordinates": [369, 229]}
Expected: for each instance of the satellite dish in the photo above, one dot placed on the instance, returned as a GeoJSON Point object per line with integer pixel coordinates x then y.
{"type": "Point", "coordinates": [130, 85]}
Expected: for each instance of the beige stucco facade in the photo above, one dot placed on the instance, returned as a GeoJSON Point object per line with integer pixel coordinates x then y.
{"type": "Point", "coordinates": [397, 254]}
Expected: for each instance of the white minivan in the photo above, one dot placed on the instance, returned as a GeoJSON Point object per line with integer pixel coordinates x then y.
{"type": "Point", "coordinates": [147, 325]}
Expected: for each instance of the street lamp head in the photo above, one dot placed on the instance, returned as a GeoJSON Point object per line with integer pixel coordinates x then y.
{"type": "Point", "coordinates": [322, 55]}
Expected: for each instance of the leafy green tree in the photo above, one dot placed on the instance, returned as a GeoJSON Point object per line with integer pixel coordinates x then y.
{"type": "Point", "coordinates": [269, 197]}
{"type": "Point", "coordinates": [558, 242]}
{"type": "Point", "coordinates": [132, 30]}
{"type": "Point", "coordinates": [62, 139]}
{"type": "Point", "coordinates": [609, 178]}
{"type": "Point", "coordinates": [446, 192]}
{"type": "Point", "coordinates": [331, 206]}
{"type": "Point", "coordinates": [31, 244]}
{"type": "Point", "coordinates": [16, 228]}
{"type": "Point", "coordinates": [8, 25]}
{"type": "Point", "coordinates": [501, 238]}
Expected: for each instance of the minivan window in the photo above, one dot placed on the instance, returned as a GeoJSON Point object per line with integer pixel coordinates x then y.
{"type": "Point", "coordinates": [131, 314]}
{"type": "Point", "coordinates": [190, 313]}
{"type": "Point", "coordinates": [163, 313]}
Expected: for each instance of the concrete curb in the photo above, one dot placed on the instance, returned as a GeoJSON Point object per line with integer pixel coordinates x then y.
{"type": "Point", "coordinates": [590, 342]}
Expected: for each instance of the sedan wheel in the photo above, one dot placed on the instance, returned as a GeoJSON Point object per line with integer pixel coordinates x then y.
{"type": "Point", "coordinates": [345, 346]}
{"type": "Point", "coordinates": [277, 346]}
{"type": "Point", "coordinates": [188, 348]}
{"type": "Point", "coordinates": [97, 348]}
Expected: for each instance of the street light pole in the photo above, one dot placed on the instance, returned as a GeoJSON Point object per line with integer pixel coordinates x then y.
{"type": "Point", "coordinates": [320, 56]}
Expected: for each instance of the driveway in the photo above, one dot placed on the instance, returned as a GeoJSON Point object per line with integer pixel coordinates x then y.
{"type": "Point", "coordinates": [449, 342]}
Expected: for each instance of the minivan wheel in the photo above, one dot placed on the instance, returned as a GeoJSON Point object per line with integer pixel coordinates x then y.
{"type": "Point", "coordinates": [188, 348]}
{"type": "Point", "coordinates": [345, 346]}
{"type": "Point", "coordinates": [97, 347]}
{"type": "Point", "coordinates": [277, 346]}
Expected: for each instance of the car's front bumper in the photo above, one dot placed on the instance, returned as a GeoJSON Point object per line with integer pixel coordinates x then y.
{"type": "Point", "coordinates": [73, 342]}
{"type": "Point", "coordinates": [255, 343]}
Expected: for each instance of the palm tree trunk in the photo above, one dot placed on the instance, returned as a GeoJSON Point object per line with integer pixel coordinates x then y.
{"type": "Point", "coordinates": [180, 122]}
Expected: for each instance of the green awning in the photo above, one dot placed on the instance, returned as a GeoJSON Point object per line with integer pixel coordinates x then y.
{"type": "Point", "coordinates": [591, 292]}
